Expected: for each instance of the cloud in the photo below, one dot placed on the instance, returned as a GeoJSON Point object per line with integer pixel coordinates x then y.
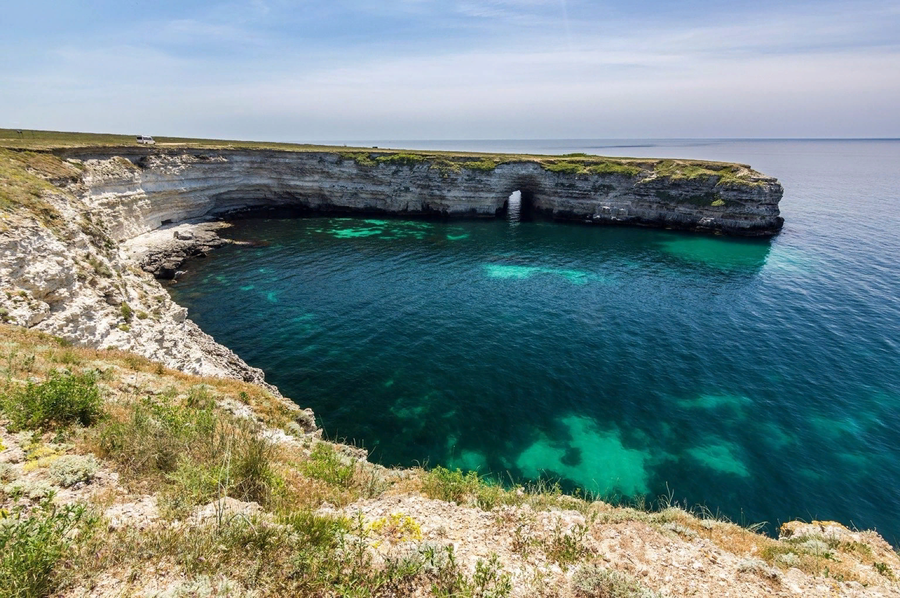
{"type": "Point", "coordinates": [272, 71]}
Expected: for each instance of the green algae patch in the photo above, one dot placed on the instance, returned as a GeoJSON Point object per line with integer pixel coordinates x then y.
{"type": "Point", "coordinates": [727, 254]}
{"type": "Point", "coordinates": [721, 458]}
{"type": "Point", "coordinates": [717, 402]}
{"type": "Point", "coordinates": [512, 272]}
{"type": "Point", "coordinates": [355, 233]}
{"type": "Point", "coordinates": [351, 228]}
{"type": "Point", "coordinates": [595, 459]}
{"type": "Point", "coordinates": [468, 460]}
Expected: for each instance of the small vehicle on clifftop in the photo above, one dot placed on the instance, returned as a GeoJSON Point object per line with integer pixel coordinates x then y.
{"type": "Point", "coordinates": [145, 139]}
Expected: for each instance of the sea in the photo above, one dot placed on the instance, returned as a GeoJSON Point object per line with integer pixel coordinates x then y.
{"type": "Point", "coordinates": [751, 379]}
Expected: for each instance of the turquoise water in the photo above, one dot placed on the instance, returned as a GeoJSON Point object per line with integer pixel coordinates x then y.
{"type": "Point", "coordinates": [760, 378]}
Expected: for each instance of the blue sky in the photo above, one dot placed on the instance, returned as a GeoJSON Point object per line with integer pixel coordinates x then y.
{"type": "Point", "coordinates": [453, 69]}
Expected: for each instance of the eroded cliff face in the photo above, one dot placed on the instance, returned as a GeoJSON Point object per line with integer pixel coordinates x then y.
{"type": "Point", "coordinates": [153, 188]}
{"type": "Point", "coordinates": [84, 227]}
{"type": "Point", "coordinates": [63, 272]}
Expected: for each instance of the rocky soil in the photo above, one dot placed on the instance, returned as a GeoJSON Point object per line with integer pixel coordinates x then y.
{"type": "Point", "coordinates": [149, 537]}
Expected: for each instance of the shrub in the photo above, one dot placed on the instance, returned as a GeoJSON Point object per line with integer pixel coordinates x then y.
{"type": "Point", "coordinates": [154, 436]}
{"type": "Point", "coordinates": [788, 559]}
{"type": "Point", "coordinates": [31, 547]}
{"type": "Point", "coordinates": [59, 401]}
{"type": "Point", "coordinates": [251, 468]}
{"type": "Point", "coordinates": [569, 547]}
{"type": "Point", "coordinates": [455, 486]}
{"type": "Point", "coordinates": [73, 469]}
{"type": "Point", "coordinates": [326, 464]}
{"type": "Point", "coordinates": [127, 312]}
{"type": "Point", "coordinates": [35, 491]}
{"type": "Point", "coordinates": [593, 581]}
{"type": "Point", "coordinates": [7, 473]}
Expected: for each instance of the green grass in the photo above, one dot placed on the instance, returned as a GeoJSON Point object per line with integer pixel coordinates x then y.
{"type": "Point", "coordinates": [455, 486]}
{"type": "Point", "coordinates": [62, 400]}
{"type": "Point", "coordinates": [25, 179]}
{"type": "Point", "coordinates": [587, 165]}
{"type": "Point", "coordinates": [445, 161]}
{"type": "Point", "coordinates": [32, 544]}
{"type": "Point", "coordinates": [326, 464]}
{"type": "Point", "coordinates": [723, 173]}
{"type": "Point", "coordinates": [191, 452]}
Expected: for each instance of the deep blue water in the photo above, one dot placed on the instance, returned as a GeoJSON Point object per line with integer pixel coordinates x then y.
{"type": "Point", "coordinates": [760, 378]}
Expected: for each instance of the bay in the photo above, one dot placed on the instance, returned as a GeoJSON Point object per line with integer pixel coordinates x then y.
{"type": "Point", "coordinates": [759, 378]}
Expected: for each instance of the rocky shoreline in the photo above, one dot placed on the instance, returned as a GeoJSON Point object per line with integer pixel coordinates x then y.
{"type": "Point", "coordinates": [82, 249]}
{"type": "Point", "coordinates": [152, 188]}
{"type": "Point", "coordinates": [99, 226]}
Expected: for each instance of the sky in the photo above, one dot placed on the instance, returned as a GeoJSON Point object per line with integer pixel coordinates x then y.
{"type": "Point", "coordinates": [311, 70]}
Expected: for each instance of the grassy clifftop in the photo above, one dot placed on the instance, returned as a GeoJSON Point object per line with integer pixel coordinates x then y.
{"type": "Point", "coordinates": [119, 476]}
{"type": "Point", "coordinates": [571, 164]}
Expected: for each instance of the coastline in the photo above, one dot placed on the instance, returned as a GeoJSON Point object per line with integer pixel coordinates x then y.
{"type": "Point", "coordinates": [79, 242]}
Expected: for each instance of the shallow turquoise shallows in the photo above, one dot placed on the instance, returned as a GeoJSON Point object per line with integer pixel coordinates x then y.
{"type": "Point", "coordinates": [760, 378]}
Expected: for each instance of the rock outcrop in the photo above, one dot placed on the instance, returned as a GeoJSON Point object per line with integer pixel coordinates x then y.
{"type": "Point", "coordinates": [62, 272]}
{"type": "Point", "coordinates": [153, 188]}
{"type": "Point", "coordinates": [87, 227]}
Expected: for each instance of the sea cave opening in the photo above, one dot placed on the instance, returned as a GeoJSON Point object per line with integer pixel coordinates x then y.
{"type": "Point", "coordinates": [519, 207]}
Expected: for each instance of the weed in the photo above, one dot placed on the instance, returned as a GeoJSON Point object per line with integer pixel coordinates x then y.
{"type": "Point", "coordinates": [485, 164]}
{"type": "Point", "coordinates": [397, 527]}
{"type": "Point", "coordinates": [126, 311]}
{"type": "Point", "coordinates": [567, 548]}
{"type": "Point", "coordinates": [33, 491]}
{"type": "Point", "coordinates": [69, 470]}
{"type": "Point", "coordinates": [63, 399]}
{"type": "Point", "coordinates": [402, 159]}
{"type": "Point", "coordinates": [788, 559]}
{"type": "Point", "coordinates": [615, 168]}
{"type": "Point", "coordinates": [565, 167]}
{"type": "Point", "coordinates": [361, 158]}
{"type": "Point", "coordinates": [198, 455]}
{"type": "Point", "coordinates": [251, 471]}
{"type": "Point", "coordinates": [326, 464]}
{"type": "Point", "coordinates": [199, 397]}
{"type": "Point", "coordinates": [593, 581]}
{"type": "Point", "coordinates": [134, 362]}
{"type": "Point", "coordinates": [99, 267]}
{"type": "Point", "coordinates": [883, 569]}
{"type": "Point", "coordinates": [455, 486]}
{"type": "Point", "coordinates": [757, 566]}
{"type": "Point", "coordinates": [67, 357]}
{"type": "Point", "coordinates": [32, 545]}
{"type": "Point", "coordinates": [7, 473]}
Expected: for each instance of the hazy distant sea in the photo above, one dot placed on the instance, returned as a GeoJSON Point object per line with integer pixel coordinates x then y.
{"type": "Point", "coordinates": [760, 378]}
